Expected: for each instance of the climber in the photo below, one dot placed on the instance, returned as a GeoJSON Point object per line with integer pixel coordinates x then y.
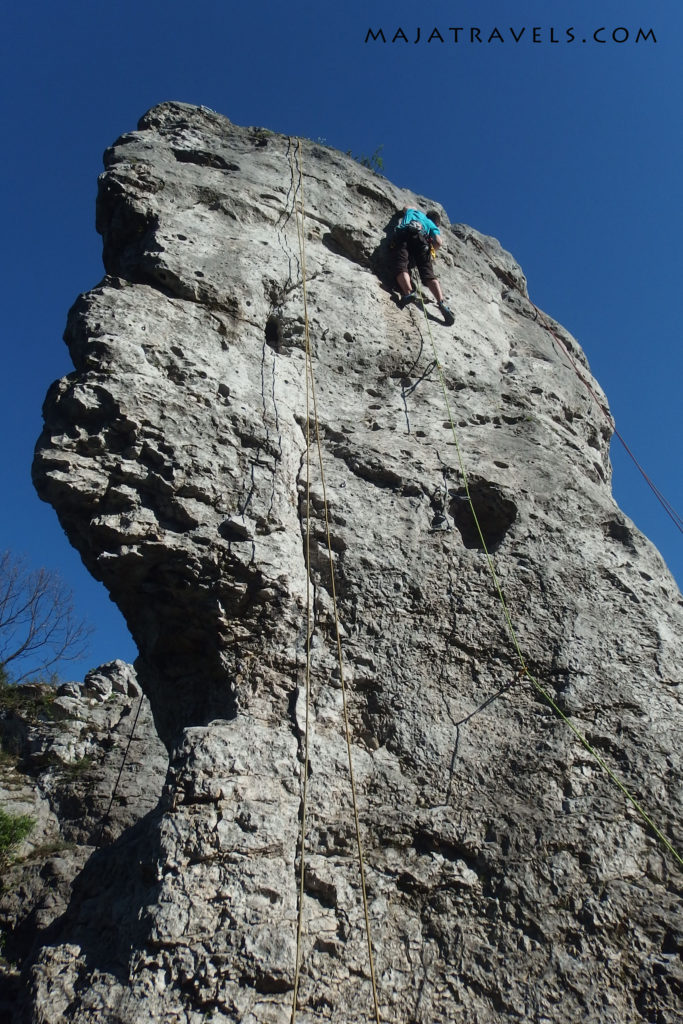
{"type": "Point", "coordinates": [415, 242]}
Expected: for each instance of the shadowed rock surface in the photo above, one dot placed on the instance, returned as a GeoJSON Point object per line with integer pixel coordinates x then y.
{"type": "Point", "coordinates": [508, 879]}
{"type": "Point", "coordinates": [62, 764]}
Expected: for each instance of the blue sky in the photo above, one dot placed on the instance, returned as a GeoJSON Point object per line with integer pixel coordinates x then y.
{"type": "Point", "coordinates": [569, 152]}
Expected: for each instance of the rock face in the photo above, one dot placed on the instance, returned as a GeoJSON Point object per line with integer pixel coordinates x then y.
{"type": "Point", "coordinates": [508, 878]}
{"type": "Point", "coordinates": [63, 766]}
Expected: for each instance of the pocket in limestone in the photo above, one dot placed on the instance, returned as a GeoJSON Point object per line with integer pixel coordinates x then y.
{"type": "Point", "coordinates": [495, 513]}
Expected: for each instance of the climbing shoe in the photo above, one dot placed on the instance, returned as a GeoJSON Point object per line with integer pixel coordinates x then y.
{"type": "Point", "coordinates": [407, 299]}
{"type": "Point", "coordinates": [440, 524]}
{"type": "Point", "coordinates": [448, 317]}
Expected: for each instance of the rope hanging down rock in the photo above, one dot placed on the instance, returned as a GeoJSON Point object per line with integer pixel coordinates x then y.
{"type": "Point", "coordinates": [300, 211]}
{"type": "Point", "coordinates": [524, 669]}
{"type": "Point", "coordinates": [664, 502]}
{"type": "Point", "coordinates": [676, 518]}
{"type": "Point", "coordinates": [105, 816]}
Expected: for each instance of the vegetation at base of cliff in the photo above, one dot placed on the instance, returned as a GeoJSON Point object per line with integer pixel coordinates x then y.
{"type": "Point", "coordinates": [14, 828]}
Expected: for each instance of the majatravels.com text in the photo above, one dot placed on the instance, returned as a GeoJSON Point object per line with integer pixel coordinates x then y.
{"type": "Point", "coordinates": [537, 34]}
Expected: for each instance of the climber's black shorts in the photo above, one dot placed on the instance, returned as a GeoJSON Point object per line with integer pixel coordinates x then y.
{"type": "Point", "coordinates": [411, 248]}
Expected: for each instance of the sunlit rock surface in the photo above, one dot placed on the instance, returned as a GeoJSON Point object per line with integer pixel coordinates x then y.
{"type": "Point", "coordinates": [508, 878]}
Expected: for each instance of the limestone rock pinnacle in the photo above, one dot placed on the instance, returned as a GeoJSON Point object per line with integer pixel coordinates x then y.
{"type": "Point", "coordinates": [508, 879]}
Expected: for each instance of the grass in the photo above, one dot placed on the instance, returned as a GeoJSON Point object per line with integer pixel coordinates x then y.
{"type": "Point", "coordinates": [30, 699]}
{"type": "Point", "coordinates": [14, 828]}
{"type": "Point", "coordinates": [77, 768]}
{"type": "Point", "coordinates": [374, 162]}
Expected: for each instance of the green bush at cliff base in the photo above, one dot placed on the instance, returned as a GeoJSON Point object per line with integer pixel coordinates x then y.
{"type": "Point", "coordinates": [14, 828]}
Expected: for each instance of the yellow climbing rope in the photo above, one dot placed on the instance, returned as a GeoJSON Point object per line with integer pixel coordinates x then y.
{"type": "Point", "coordinates": [300, 211]}
{"type": "Point", "coordinates": [524, 669]}
{"type": "Point", "coordinates": [304, 795]}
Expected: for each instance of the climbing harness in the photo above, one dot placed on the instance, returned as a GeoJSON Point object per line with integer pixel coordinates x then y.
{"type": "Point", "coordinates": [311, 399]}
{"type": "Point", "coordinates": [524, 670]}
